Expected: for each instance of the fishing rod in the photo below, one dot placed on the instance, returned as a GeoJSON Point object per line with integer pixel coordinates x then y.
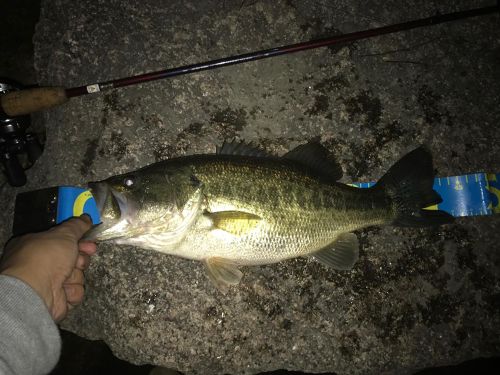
{"type": "Point", "coordinates": [24, 102]}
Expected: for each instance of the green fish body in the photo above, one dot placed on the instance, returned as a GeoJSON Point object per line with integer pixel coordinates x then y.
{"type": "Point", "coordinates": [243, 207]}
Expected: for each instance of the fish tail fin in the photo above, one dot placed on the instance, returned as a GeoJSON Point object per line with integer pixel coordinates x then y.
{"type": "Point", "coordinates": [408, 184]}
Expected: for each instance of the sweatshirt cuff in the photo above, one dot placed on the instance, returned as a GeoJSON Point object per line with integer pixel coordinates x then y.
{"type": "Point", "coordinates": [29, 338]}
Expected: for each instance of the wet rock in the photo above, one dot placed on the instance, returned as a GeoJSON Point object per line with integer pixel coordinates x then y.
{"type": "Point", "coordinates": [416, 298]}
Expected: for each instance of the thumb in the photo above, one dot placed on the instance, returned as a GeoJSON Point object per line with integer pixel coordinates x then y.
{"type": "Point", "coordinates": [76, 227]}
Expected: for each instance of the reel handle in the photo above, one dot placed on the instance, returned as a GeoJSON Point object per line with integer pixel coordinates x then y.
{"type": "Point", "coordinates": [13, 170]}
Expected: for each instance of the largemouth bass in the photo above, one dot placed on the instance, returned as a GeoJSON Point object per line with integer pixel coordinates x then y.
{"type": "Point", "coordinates": [243, 207]}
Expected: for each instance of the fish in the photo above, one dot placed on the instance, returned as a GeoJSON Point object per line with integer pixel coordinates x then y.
{"type": "Point", "coordinates": [242, 206]}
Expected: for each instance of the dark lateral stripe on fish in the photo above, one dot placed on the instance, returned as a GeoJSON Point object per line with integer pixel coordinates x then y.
{"type": "Point", "coordinates": [475, 194]}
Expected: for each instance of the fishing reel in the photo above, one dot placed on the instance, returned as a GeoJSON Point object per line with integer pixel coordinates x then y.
{"type": "Point", "coordinates": [18, 149]}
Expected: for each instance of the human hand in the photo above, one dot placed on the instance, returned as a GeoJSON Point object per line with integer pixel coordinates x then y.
{"type": "Point", "coordinates": [52, 263]}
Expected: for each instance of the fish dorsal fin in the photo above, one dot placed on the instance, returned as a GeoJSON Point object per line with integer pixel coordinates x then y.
{"type": "Point", "coordinates": [317, 158]}
{"type": "Point", "coordinates": [241, 148]}
{"type": "Point", "coordinates": [237, 223]}
{"type": "Point", "coordinates": [341, 254]}
{"type": "Point", "coordinates": [223, 272]}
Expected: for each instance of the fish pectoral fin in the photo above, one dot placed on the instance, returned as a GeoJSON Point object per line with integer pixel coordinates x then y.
{"type": "Point", "coordinates": [223, 273]}
{"type": "Point", "coordinates": [237, 223]}
{"type": "Point", "coordinates": [341, 254]}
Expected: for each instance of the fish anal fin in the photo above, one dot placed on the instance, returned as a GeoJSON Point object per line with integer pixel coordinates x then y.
{"type": "Point", "coordinates": [341, 254]}
{"type": "Point", "coordinates": [237, 223]}
{"type": "Point", "coordinates": [318, 159]}
{"type": "Point", "coordinates": [223, 273]}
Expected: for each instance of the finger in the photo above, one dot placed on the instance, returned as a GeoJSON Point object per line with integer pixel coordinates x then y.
{"type": "Point", "coordinates": [60, 314]}
{"type": "Point", "coordinates": [76, 277]}
{"type": "Point", "coordinates": [82, 262]}
{"type": "Point", "coordinates": [87, 247]}
{"type": "Point", "coordinates": [74, 293]}
{"type": "Point", "coordinates": [76, 226]}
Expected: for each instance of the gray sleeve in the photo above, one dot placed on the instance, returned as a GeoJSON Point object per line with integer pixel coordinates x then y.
{"type": "Point", "coordinates": [29, 338]}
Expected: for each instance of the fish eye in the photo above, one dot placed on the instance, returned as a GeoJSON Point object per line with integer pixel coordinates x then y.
{"type": "Point", "coordinates": [128, 182]}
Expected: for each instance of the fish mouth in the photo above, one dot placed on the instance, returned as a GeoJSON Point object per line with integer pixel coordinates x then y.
{"type": "Point", "coordinates": [111, 206]}
{"type": "Point", "coordinates": [110, 203]}
{"type": "Point", "coordinates": [100, 191]}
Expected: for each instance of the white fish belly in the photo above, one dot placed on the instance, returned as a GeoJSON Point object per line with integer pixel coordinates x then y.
{"type": "Point", "coordinates": [258, 247]}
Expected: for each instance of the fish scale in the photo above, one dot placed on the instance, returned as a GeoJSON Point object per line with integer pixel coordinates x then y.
{"type": "Point", "coordinates": [305, 214]}
{"type": "Point", "coordinates": [249, 208]}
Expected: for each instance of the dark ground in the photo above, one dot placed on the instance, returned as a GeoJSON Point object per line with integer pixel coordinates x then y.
{"type": "Point", "coordinates": [81, 356]}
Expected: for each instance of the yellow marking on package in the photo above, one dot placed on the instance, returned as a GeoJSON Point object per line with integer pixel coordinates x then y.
{"type": "Point", "coordinates": [80, 202]}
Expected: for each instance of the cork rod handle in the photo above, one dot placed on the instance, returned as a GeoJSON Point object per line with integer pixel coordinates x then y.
{"type": "Point", "coordinates": [23, 102]}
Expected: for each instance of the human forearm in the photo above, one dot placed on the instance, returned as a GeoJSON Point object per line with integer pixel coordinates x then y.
{"type": "Point", "coordinates": [30, 342]}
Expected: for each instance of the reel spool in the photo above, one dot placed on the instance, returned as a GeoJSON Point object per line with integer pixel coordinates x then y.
{"type": "Point", "coordinates": [18, 149]}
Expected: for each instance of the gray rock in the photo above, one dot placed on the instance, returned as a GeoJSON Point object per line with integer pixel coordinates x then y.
{"type": "Point", "coordinates": [416, 298]}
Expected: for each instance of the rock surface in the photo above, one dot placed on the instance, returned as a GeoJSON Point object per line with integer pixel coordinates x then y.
{"type": "Point", "coordinates": [416, 298]}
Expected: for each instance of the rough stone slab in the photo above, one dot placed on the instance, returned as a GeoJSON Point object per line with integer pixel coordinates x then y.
{"type": "Point", "coordinates": [417, 297]}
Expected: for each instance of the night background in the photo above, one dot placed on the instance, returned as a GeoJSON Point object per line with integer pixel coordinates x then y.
{"type": "Point", "coordinates": [419, 300]}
